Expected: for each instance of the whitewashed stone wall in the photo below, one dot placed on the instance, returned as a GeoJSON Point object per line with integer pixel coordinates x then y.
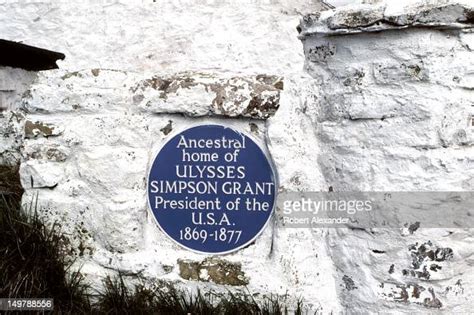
{"type": "Point", "coordinates": [14, 83]}
{"type": "Point", "coordinates": [394, 114]}
{"type": "Point", "coordinates": [382, 110]}
{"type": "Point", "coordinates": [94, 125]}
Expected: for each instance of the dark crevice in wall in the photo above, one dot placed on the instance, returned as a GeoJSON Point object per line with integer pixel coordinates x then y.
{"type": "Point", "coordinates": [10, 185]}
{"type": "Point", "coordinates": [18, 55]}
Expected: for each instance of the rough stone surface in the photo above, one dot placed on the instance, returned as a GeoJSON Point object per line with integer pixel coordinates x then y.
{"type": "Point", "coordinates": [255, 97]}
{"type": "Point", "coordinates": [393, 115]}
{"type": "Point", "coordinates": [214, 270]}
{"type": "Point", "coordinates": [91, 177]}
{"type": "Point", "coordinates": [375, 111]}
{"type": "Point", "coordinates": [39, 129]}
{"type": "Point", "coordinates": [361, 16]}
{"type": "Point", "coordinates": [390, 15]}
{"type": "Point", "coordinates": [10, 137]}
{"type": "Point", "coordinates": [14, 83]}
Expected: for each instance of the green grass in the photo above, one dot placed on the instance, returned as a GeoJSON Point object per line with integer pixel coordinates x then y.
{"type": "Point", "coordinates": [117, 298]}
{"type": "Point", "coordinates": [10, 185]}
{"type": "Point", "coordinates": [33, 265]}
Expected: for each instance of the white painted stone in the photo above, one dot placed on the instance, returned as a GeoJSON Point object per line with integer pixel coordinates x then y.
{"type": "Point", "coordinates": [378, 111]}
{"type": "Point", "coordinates": [13, 85]}
{"type": "Point", "coordinates": [393, 115]}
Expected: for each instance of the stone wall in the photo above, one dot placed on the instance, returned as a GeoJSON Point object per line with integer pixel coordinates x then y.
{"type": "Point", "coordinates": [14, 83]}
{"type": "Point", "coordinates": [93, 126]}
{"type": "Point", "coordinates": [393, 114]}
{"type": "Point", "coordinates": [377, 98]}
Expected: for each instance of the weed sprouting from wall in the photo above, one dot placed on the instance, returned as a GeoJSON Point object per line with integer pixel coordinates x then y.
{"type": "Point", "coordinates": [117, 298]}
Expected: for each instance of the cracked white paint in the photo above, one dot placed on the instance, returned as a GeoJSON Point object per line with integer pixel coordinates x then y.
{"type": "Point", "coordinates": [374, 111]}
{"type": "Point", "coordinates": [393, 115]}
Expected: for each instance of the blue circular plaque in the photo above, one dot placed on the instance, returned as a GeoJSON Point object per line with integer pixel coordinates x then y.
{"type": "Point", "coordinates": [211, 189]}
